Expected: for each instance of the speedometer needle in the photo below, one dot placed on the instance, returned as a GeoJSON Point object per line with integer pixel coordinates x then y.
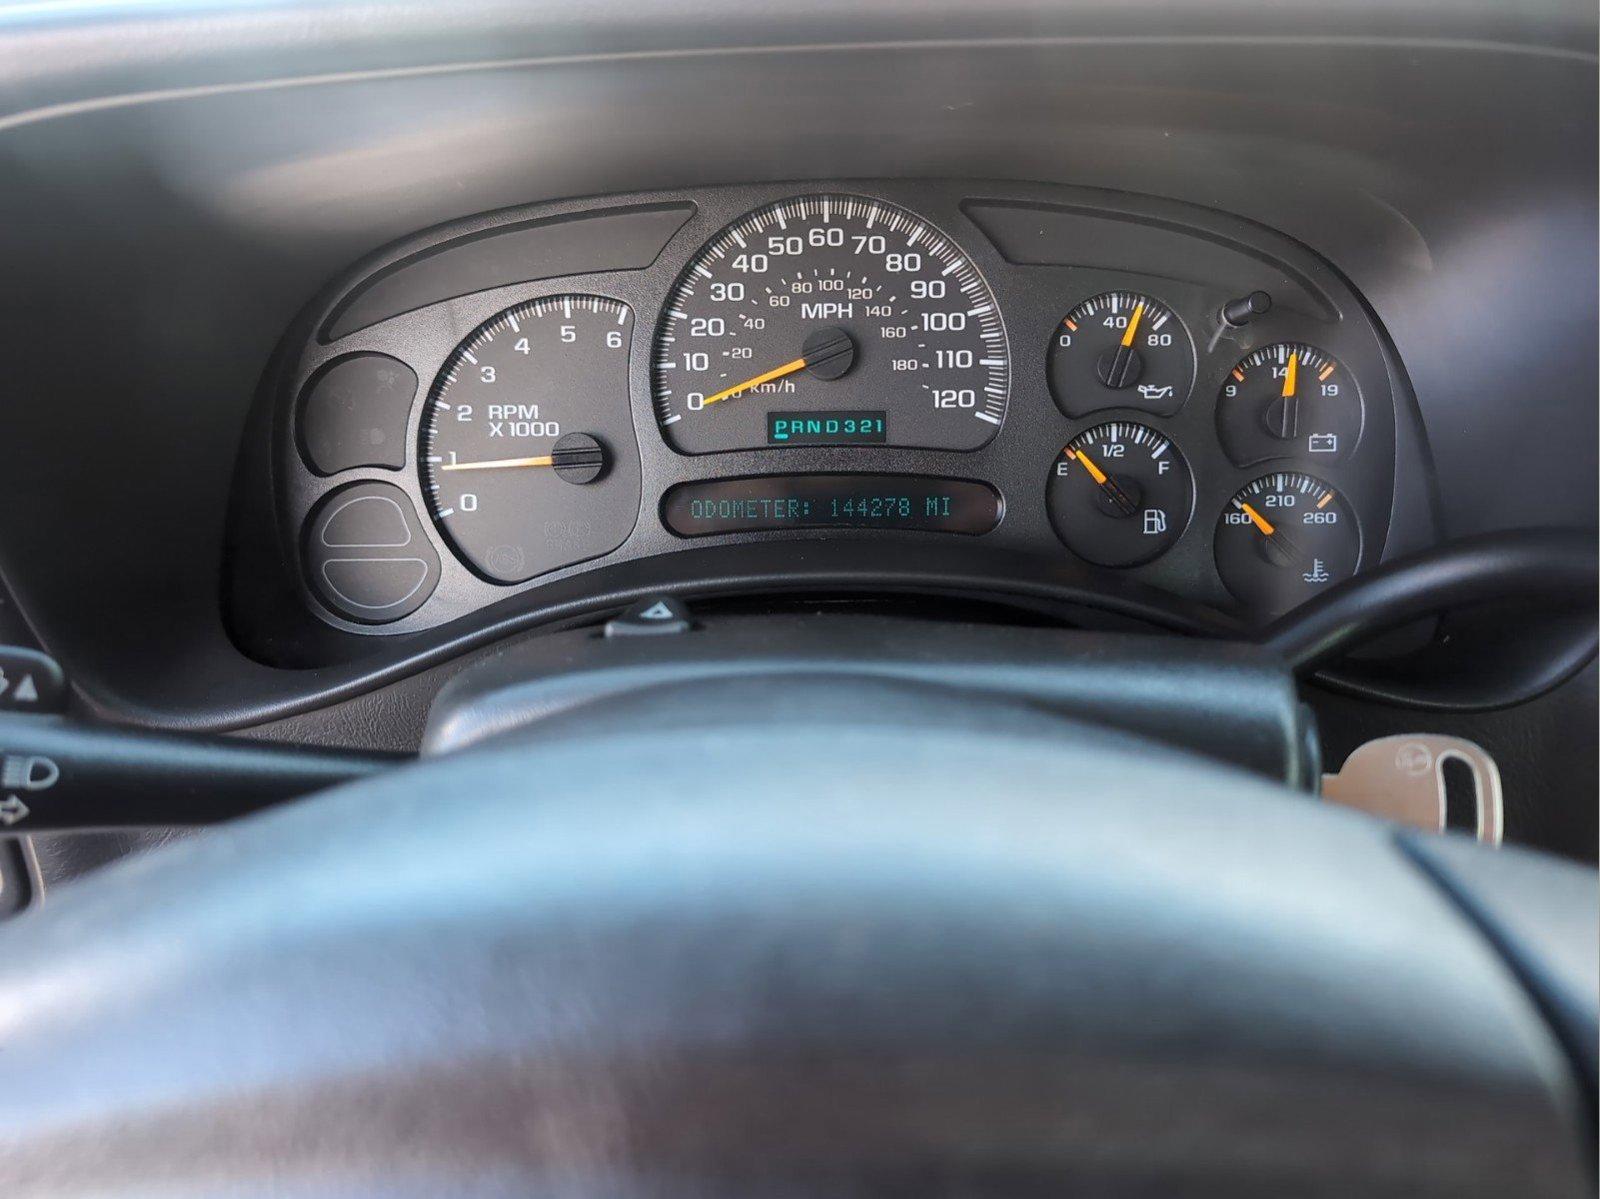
{"type": "Point", "coordinates": [827, 353]}
{"type": "Point", "coordinates": [777, 372]}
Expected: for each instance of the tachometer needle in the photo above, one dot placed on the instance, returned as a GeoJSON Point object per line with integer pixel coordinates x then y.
{"type": "Point", "coordinates": [777, 372]}
{"type": "Point", "coordinates": [499, 463]}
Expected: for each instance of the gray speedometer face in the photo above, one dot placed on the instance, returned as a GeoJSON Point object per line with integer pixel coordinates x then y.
{"type": "Point", "coordinates": [830, 320]}
{"type": "Point", "coordinates": [528, 454]}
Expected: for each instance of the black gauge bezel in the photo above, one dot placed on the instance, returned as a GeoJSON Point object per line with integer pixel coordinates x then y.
{"type": "Point", "coordinates": [1289, 469]}
{"type": "Point", "coordinates": [1288, 453]}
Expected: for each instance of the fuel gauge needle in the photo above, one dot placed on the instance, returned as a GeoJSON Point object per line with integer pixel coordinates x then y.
{"type": "Point", "coordinates": [1118, 497]}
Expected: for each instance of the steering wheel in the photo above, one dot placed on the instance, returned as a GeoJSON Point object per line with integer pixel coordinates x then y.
{"type": "Point", "coordinates": [825, 934]}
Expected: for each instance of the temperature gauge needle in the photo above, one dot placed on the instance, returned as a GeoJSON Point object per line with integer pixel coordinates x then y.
{"type": "Point", "coordinates": [1260, 522]}
{"type": "Point", "coordinates": [1268, 529]}
{"type": "Point", "coordinates": [499, 463]}
{"type": "Point", "coordinates": [777, 372]}
{"type": "Point", "coordinates": [1118, 497]}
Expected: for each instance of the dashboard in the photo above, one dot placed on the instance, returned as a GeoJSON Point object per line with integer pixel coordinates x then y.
{"type": "Point", "coordinates": [718, 596]}
{"type": "Point", "coordinates": [1136, 391]}
{"type": "Point", "coordinates": [249, 249]}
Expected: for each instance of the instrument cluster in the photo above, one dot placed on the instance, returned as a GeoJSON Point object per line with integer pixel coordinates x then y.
{"type": "Point", "coordinates": [1112, 386]}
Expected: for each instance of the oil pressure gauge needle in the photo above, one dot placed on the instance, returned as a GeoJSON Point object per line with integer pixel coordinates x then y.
{"type": "Point", "coordinates": [1124, 366]}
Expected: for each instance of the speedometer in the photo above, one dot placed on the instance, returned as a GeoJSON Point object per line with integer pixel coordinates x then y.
{"type": "Point", "coordinates": [830, 320]}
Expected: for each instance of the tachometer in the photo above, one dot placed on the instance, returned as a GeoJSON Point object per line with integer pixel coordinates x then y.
{"type": "Point", "coordinates": [830, 320]}
{"type": "Point", "coordinates": [528, 454]}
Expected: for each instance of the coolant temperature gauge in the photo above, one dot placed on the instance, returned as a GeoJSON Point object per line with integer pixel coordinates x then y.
{"type": "Point", "coordinates": [1120, 494]}
{"type": "Point", "coordinates": [1284, 538]}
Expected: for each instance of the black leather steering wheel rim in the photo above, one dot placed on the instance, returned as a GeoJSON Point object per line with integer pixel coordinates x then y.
{"type": "Point", "coordinates": [826, 939]}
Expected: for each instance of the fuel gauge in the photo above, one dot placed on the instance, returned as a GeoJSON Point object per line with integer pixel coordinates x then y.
{"type": "Point", "coordinates": [1120, 494]}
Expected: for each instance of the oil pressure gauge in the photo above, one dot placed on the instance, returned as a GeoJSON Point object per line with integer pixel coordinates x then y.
{"type": "Point", "coordinates": [1121, 349]}
{"type": "Point", "coordinates": [1285, 400]}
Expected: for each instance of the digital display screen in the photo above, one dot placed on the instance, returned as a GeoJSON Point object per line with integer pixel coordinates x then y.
{"type": "Point", "coordinates": [865, 427]}
{"type": "Point", "coordinates": [842, 501]}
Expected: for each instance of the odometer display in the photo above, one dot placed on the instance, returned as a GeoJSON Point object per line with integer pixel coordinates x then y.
{"type": "Point", "coordinates": [838, 304]}
{"type": "Point", "coordinates": [848, 501]}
